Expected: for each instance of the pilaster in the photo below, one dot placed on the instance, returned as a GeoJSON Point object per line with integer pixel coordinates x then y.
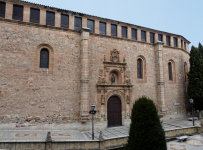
{"type": "Point", "coordinates": [84, 21]}
{"type": "Point", "coordinates": [129, 33]}
{"type": "Point", "coordinates": [164, 39]}
{"type": "Point", "coordinates": [139, 34]}
{"type": "Point", "coordinates": [96, 26]}
{"type": "Point", "coordinates": [160, 75]}
{"type": "Point", "coordinates": [179, 42]}
{"type": "Point", "coordinates": [26, 14]}
{"type": "Point", "coordinates": [156, 37]}
{"type": "Point", "coordinates": [84, 101]}
{"type": "Point", "coordinates": [71, 22]}
{"type": "Point", "coordinates": [9, 11]}
{"type": "Point", "coordinates": [119, 31]}
{"type": "Point", "coordinates": [42, 17]}
{"type": "Point", "coordinates": [108, 29]}
{"type": "Point", "coordinates": [57, 19]}
{"type": "Point", "coordinates": [147, 36]}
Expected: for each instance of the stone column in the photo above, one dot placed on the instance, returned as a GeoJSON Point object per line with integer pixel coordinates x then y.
{"type": "Point", "coordinates": [84, 101]}
{"type": "Point", "coordinates": [160, 75]}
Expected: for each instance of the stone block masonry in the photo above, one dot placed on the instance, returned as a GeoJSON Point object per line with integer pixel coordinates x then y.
{"type": "Point", "coordinates": [81, 65]}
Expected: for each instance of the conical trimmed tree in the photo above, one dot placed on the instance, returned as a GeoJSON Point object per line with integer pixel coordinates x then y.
{"type": "Point", "coordinates": [146, 132]}
{"type": "Point", "coordinates": [195, 76]}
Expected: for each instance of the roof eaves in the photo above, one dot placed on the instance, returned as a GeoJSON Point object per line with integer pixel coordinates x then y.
{"type": "Point", "coordinates": [82, 14]}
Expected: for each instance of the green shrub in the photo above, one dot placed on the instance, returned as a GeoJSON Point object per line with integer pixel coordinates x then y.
{"type": "Point", "coordinates": [146, 132]}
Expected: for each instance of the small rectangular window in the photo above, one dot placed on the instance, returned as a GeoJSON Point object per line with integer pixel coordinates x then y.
{"type": "Point", "coordinates": [34, 15]}
{"type": "Point", "coordinates": [160, 37]}
{"type": "Point", "coordinates": [168, 40]}
{"type": "Point", "coordinates": [143, 36]}
{"type": "Point", "coordinates": [124, 32]}
{"type": "Point", "coordinates": [102, 28]}
{"type": "Point", "coordinates": [134, 34]}
{"type": "Point", "coordinates": [185, 45]}
{"type": "Point", "coordinates": [64, 21]}
{"type": "Point", "coordinates": [2, 9]}
{"type": "Point", "coordinates": [175, 40]}
{"type": "Point", "coordinates": [113, 30]}
{"type": "Point", "coordinates": [151, 37]}
{"type": "Point", "coordinates": [50, 18]}
{"type": "Point", "coordinates": [18, 12]}
{"type": "Point", "coordinates": [90, 24]}
{"type": "Point", "coordinates": [181, 43]}
{"type": "Point", "coordinates": [78, 23]}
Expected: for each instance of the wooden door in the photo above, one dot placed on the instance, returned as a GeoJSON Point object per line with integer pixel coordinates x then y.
{"type": "Point", "coordinates": [114, 111]}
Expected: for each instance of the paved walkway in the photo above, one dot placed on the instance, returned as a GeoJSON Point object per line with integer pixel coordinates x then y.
{"type": "Point", "coordinates": [71, 135]}
{"type": "Point", "coordinates": [193, 143]}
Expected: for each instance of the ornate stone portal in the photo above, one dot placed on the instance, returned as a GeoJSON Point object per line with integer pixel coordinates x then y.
{"type": "Point", "coordinates": [115, 81]}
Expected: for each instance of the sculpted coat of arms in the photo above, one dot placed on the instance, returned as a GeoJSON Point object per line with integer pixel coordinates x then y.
{"type": "Point", "coordinates": [115, 56]}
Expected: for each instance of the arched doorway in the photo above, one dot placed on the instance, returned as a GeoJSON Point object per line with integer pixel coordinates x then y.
{"type": "Point", "coordinates": [114, 111]}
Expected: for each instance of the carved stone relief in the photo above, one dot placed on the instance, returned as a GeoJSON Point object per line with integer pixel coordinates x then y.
{"type": "Point", "coordinates": [115, 56]}
{"type": "Point", "coordinates": [121, 70]}
{"type": "Point", "coordinates": [128, 74]}
{"type": "Point", "coordinates": [102, 100]}
{"type": "Point", "coordinates": [113, 78]}
{"type": "Point", "coordinates": [100, 72]}
{"type": "Point", "coordinates": [107, 69]}
{"type": "Point", "coordinates": [124, 59]}
{"type": "Point", "coordinates": [101, 81]}
{"type": "Point", "coordinates": [104, 58]}
{"type": "Point", "coordinates": [128, 100]}
{"type": "Point", "coordinates": [128, 81]}
{"type": "Point", "coordinates": [114, 92]}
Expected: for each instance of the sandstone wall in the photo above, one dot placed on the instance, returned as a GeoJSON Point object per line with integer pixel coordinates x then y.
{"type": "Point", "coordinates": [27, 90]}
{"type": "Point", "coordinates": [53, 95]}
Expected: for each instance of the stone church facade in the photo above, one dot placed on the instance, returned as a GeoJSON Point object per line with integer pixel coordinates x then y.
{"type": "Point", "coordinates": [53, 70]}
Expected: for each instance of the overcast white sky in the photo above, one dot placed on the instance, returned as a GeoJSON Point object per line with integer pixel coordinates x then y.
{"type": "Point", "coordinates": [183, 17]}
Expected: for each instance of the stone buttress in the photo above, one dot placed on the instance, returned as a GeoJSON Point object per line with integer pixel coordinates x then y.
{"type": "Point", "coordinates": [84, 101]}
{"type": "Point", "coordinates": [160, 77]}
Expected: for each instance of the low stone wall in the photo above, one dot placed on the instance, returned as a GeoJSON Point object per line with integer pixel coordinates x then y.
{"type": "Point", "coordinates": [182, 131]}
{"type": "Point", "coordinates": [109, 144]}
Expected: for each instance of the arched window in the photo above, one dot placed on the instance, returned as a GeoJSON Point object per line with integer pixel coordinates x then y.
{"type": "Point", "coordinates": [44, 58]}
{"type": "Point", "coordinates": [170, 71]}
{"type": "Point", "coordinates": [139, 68]}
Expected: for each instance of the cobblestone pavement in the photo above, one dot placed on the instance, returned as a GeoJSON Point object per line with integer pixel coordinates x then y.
{"type": "Point", "coordinates": [193, 143]}
{"type": "Point", "coordinates": [72, 135]}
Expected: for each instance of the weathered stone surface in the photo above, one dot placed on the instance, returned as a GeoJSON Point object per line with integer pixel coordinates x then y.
{"type": "Point", "coordinates": [30, 94]}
